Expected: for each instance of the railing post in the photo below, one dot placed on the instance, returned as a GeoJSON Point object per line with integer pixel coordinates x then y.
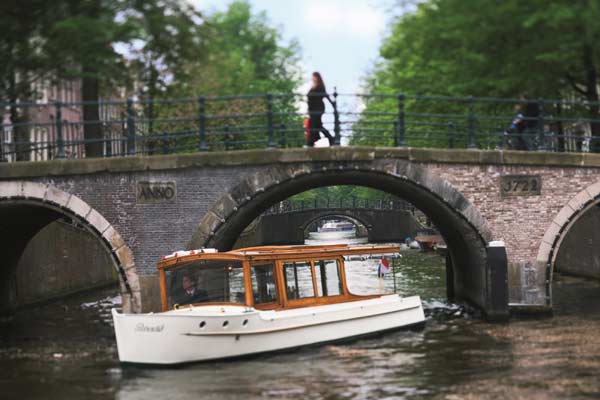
{"type": "Point", "coordinates": [337, 130]}
{"type": "Point", "coordinates": [401, 121]}
{"type": "Point", "coordinates": [60, 152]}
{"type": "Point", "coordinates": [271, 142]}
{"type": "Point", "coordinates": [542, 146]}
{"type": "Point", "coordinates": [226, 137]}
{"type": "Point", "coordinates": [472, 144]}
{"type": "Point", "coordinates": [396, 136]}
{"type": "Point", "coordinates": [165, 140]}
{"type": "Point", "coordinates": [451, 135]}
{"type": "Point", "coordinates": [130, 128]}
{"type": "Point", "coordinates": [283, 142]}
{"type": "Point", "coordinates": [202, 123]}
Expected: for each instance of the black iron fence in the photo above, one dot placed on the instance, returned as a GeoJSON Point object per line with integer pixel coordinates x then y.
{"type": "Point", "coordinates": [349, 203]}
{"type": "Point", "coordinates": [42, 131]}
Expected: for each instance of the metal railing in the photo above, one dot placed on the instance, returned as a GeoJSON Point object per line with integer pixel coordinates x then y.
{"type": "Point", "coordinates": [43, 131]}
{"type": "Point", "coordinates": [350, 203]}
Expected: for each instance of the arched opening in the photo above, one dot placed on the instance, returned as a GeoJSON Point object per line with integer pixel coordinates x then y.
{"type": "Point", "coordinates": [464, 230]}
{"type": "Point", "coordinates": [315, 229]}
{"type": "Point", "coordinates": [570, 251]}
{"type": "Point", "coordinates": [26, 209]}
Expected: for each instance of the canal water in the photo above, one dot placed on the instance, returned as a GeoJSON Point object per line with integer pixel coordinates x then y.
{"type": "Point", "coordinates": [66, 350]}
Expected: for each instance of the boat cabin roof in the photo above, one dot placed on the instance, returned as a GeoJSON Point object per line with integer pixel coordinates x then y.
{"type": "Point", "coordinates": [262, 253]}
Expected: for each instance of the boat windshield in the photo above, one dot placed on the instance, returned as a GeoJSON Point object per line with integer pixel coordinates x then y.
{"type": "Point", "coordinates": [205, 281]}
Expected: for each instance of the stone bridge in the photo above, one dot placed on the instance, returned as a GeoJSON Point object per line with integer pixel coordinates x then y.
{"type": "Point", "coordinates": [140, 208]}
{"type": "Point", "coordinates": [292, 227]}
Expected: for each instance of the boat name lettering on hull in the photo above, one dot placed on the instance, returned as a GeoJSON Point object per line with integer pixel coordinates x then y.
{"type": "Point", "coordinates": [140, 327]}
{"type": "Point", "coordinates": [156, 192]}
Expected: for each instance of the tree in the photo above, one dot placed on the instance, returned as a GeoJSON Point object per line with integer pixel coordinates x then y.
{"type": "Point", "coordinates": [243, 54]}
{"type": "Point", "coordinates": [80, 44]}
{"type": "Point", "coordinates": [23, 24]}
{"type": "Point", "coordinates": [494, 49]}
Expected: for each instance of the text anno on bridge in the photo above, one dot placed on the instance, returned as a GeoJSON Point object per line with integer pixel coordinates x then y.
{"type": "Point", "coordinates": [156, 192]}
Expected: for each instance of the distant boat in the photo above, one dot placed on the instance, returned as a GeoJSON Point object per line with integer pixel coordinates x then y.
{"type": "Point", "coordinates": [428, 239]}
{"type": "Point", "coordinates": [334, 230]}
{"type": "Point", "coordinates": [336, 226]}
{"type": "Point", "coordinates": [441, 248]}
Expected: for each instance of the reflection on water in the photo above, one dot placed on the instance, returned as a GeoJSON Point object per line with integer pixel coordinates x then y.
{"type": "Point", "coordinates": [67, 351]}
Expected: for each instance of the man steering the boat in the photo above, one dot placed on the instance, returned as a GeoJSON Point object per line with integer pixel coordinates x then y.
{"type": "Point", "coordinates": [191, 294]}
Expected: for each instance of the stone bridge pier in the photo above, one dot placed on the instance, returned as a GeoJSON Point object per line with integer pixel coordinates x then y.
{"type": "Point", "coordinates": [140, 208]}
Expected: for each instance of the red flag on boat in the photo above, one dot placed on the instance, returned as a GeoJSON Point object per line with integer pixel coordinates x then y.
{"type": "Point", "coordinates": [384, 267]}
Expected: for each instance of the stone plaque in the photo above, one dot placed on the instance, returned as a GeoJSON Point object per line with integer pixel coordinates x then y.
{"type": "Point", "coordinates": [520, 185]}
{"type": "Point", "coordinates": [149, 192]}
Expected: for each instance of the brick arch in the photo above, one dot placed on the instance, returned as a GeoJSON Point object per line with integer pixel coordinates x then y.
{"type": "Point", "coordinates": [251, 187]}
{"type": "Point", "coordinates": [560, 226]}
{"type": "Point", "coordinates": [461, 224]}
{"type": "Point", "coordinates": [57, 203]}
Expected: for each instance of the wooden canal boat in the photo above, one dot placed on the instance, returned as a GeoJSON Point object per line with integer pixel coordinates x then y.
{"type": "Point", "coordinates": [254, 300]}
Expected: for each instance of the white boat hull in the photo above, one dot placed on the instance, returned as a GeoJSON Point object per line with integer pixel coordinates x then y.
{"type": "Point", "coordinates": [332, 235]}
{"type": "Point", "coordinates": [180, 336]}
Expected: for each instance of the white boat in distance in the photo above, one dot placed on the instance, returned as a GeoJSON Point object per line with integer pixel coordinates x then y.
{"type": "Point", "coordinates": [334, 230]}
{"type": "Point", "coordinates": [256, 300]}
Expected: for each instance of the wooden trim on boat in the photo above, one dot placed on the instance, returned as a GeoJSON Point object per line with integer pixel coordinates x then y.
{"type": "Point", "coordinates": [208, 303]}
{"type": "Point", "coordinates": [163, 290]}
{"type": "Point", "coordinates": [280, 253]}
{"type": "Point", "coordinates": [277, 255]}
{"type": "Point", "coordinates": [248, 284]}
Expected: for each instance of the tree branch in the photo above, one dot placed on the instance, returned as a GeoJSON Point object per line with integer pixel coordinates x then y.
{"type": "Point", "coordinates": [575, 85]}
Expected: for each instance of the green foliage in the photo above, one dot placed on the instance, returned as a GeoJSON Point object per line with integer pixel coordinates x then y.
{"type": "Point", "coordinates": [240, 54]}
{"type": "Point", "coordinates": [79, 42]}
{"type": "Point", "coordinates": [245, 55]}
{"type": "Point", "coordinates": [22, 25]}
{"type": "Point", "coordinates": [484, 48]}
{"type": "Point", "coordinates": [161, 48]}
{"type": "Point", "coordinates": [342, 192]}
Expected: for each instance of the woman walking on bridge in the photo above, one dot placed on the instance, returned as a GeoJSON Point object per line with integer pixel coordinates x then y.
{"type": "Point", "coordinates": [316, 108]}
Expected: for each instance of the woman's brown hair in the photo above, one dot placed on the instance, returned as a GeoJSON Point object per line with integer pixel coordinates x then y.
{"type": "Point", "coordinates": [320, 84]}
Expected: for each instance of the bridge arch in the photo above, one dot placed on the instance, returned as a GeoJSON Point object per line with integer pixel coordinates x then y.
{"type": "Point", "coordinates": [27, 207]}
{"type": "Point", "coordinates": [558, 229]}
{"type": "Point", "coordinates": [362, 225]}
{"type": "Point", "coordinates": [466, 232]}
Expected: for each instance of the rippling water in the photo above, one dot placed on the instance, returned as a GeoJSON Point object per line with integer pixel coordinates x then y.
{"type": "Point", "coordinates": [66, 350]}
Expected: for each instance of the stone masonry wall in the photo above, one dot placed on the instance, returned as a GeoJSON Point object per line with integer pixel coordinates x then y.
{"type": "Point", "coordinates": [152, 230]}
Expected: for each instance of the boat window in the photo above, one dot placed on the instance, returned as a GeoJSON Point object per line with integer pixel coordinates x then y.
{"type": "Point", "coordinates": [298, 280]}
{"type": "Point", "coordinates": [329, 281]}
{"type": "Point", "coordinates": [263, 283]}
{"type": "Point", "coordinates": [203, 281]}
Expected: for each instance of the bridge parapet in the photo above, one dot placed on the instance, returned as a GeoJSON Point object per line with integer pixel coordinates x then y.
{"type": "Point", "coordinates": [41, 131]}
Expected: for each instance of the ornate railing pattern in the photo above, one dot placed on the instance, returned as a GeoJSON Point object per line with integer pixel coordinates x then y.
{"type": "Point", "coordinates": [350, 203]}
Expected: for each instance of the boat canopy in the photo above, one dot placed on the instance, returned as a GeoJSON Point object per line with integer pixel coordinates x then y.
{"type": "Point", "coordinates": [266, 277]}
